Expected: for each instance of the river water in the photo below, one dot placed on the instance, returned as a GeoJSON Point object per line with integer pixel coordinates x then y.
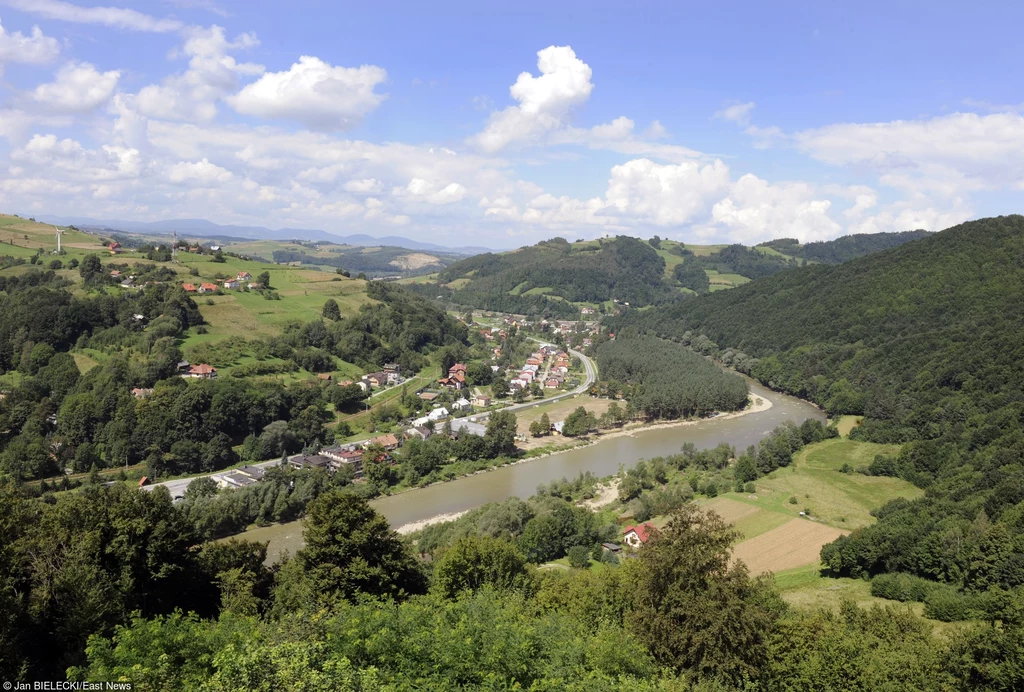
{"type": "Point", "coordinates": [601, 459]}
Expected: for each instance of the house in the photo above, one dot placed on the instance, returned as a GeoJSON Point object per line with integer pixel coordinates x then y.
{"type": "Point", "coordinates": [388, 441]}
{"type": "Point", "coordinates": [255, 286]}
{"type": "Point", "coordinates": [557, 426]}
{"type": "Point", "coordinates": [254, 472]}
{"type": "Point", "coordinates": [183, 366]}
{"type": "Point", "coordinates": [438, 414]}
{"type": "Point", "coordinates": [419, 431]}
{"type": "Point", "coordinates": [462, 403]}
{"type": "Point", "coordinates": [375, 379]}
{"type": "Point", "coordinates": [421, 422]}
{"type": "Point", "coordinates": [127, 283]}
{"type": "Point", "coordinates": [457, 369]}
{"type": "Point", "coordinates": [588, 311]}
{"type": "Point", "coordinates": [141, 392]}
{"type": "Point", "coordinates": [392, 368]}
{"type": "Point", "coordinates": [527, 375]}
{"type": "Point", "coordinates": [463, 427]}
{"type": "Point", "coordinates": [114, 248]}
{"type": "Point", "coordinates": [362, 385]}
{"type": "Point", "coordinates": [533, 361]}
{"type": "Point", "coordinates": [456, 381]}
{"type": "Point", "coordinates": [244, 276]}
{"type": "Point", "coordinates": [427, 396]}
{"type": "Point", "coordinates": [240, 478]}
{"type": "Point", "coordinates": [202, 372]}
{"type": "Point", "coordinates": [189, 288]}
{"type": "Point", "coordinates": [350, 456]}
{"type": "Point", "coordinates": [482, 400]}
{"type": "Point", "coordinates": [325, 377]}
{"type": "Point", "coordinates": [611, 547]}
{"type": "Point", "coordinates": [636, 536]}
{"type": "Point", "coordinates": [115, 273]}
{"type": "Point", "coordinates": [311, 461]}
{"type": "Point", "coordinates": [552, 383]}
{"type": "Point", "coordinates": [194, 248]}
{"type": "Point", "coordinates": [215, 248]}
{"type": "Point", "coordinates": [207, 288]}
{"type": "Point", "coordinates": [232, 284]}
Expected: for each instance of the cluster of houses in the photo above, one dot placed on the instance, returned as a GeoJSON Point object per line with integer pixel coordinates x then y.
{"type": "Point", "coordinates": [239, 478]}
{"type": "Point", "coordinates": [389, 376]}
{"type": "Point", "coordinates": [532, 369]}
{"type": "Point", "coordinates": [456, 378]}
{"type": "Point", "coordinates": [350, 455]}
{"type": "Point", "coordinates": [242, 279]}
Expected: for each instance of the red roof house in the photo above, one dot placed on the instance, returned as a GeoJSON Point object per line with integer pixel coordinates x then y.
{"type": "Point", "coordinates": [639, 535]}
{"type": "Point", "coordinates": [189, 288]}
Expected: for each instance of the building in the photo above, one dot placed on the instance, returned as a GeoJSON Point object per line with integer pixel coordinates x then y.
{"type": "Point", "coordinates": [439, 414]}
{"type": "Point", "coordinates": [312, 461]}
{"type": "Point", "coordinates": [345, 456]}
{"type": "Point", "coordinates": [232, 284]}
{"type": "Point", "coordinates": [482, 400]}
{"type": "Point", "coordinates": [427, 396]}
{"type": "Point", "coordinates": [255, 286]}
{"type": "Point", "coordinates": [325, 377]}
{"type": "Point", "coordinates": [141, 392]}
{"type": "Point", "coordinates": [244, 276]}
{"type": "Point", "coordinates": [376, 379]}
{"type": "Point", "coordinates": [456, 381]}
{"type": "Point", "coordinates": [189, 288]}
{"type": "Point", "coordinates": [207, 288]}
{"type": "Point", "coordinates": [390, 368]}
{"type": "Point", "coordinates": [464, 427]}
{"type": "Point", "coordinates": [456, 369]}
{"type": "Point", "coordinates": [201, 371]}
{"type": "Point", "coordinates": [115, 273]}
{"type": "Point", "coordinates": [461, 404]}
{"type": "Point", "coordinates": [552, 383]}
{"type": "Point", "coordinates": [588, 311]}
{"type": "Point", "coordinates": [239, 478]}
{"type": "Point", "coordinates": [637, 536]}
{"type": "Point", "coordinates": [418, 431]}
{"type": "Point", "coordinates": [389, 442]}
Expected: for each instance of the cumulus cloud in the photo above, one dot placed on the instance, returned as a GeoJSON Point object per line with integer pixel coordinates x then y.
{"type": "Point", "coordinates": [198, 173]}
{"type": "Point", "coordinates": [757, 210]}
{"type": "Point", "coordinates": [116, 17]}
{"type": "Point", "coordinates": [212, 73]}
{"type": "Point", "coordinates": [363, 186]}
{"type": "Point", "coordinates": [321, 96]}
{"type": "Point", "coordinates": [35, 49]}
{"type": "Point", "coordinates": [78, 88]}
{"type": "Point", "coordinates": [738, 113]}
{"type": "Point", "coordinates": [432, 192]}
{"type": "Point", "coordinates": [545, 102]}
{"type": "Point", "coordinates": [665, 195]}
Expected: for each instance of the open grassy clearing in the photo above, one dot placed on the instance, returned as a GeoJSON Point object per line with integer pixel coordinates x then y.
{"type": "Point", "coordinates": [558, 410]}
{"type": "Point", "coordinates": [847, 423]}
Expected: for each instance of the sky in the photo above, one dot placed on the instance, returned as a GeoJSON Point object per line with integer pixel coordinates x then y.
{"type": "Point", "coordinates": [502, 124]}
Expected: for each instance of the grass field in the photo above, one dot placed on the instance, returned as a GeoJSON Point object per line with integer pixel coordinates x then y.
{"type": "Point", "coordinates": [556, 411]}
{"type": "Point", "coordinates": [774, 535]}
{"type": "Point", "coordinates": [847, 423]}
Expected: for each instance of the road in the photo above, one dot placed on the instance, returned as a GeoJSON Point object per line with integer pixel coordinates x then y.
{"type": "Point", "coordinates": [177, 487]}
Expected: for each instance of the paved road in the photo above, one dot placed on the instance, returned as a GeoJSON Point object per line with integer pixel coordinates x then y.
{"type": "Point", "coordinates": [177, 487]}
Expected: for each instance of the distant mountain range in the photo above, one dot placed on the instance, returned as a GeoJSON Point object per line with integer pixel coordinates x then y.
{"type": "Point", "coordinates": [202, 227]}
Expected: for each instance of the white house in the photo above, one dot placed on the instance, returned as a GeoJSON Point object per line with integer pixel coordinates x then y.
{"type": "Point", "coordinates": [636, 536]}
{"type": "Point", "coordinates": [439, 414]}
{"type": "Point", "coordinates": [420, 422]}
{"type": "Point", "coordinates": [461, 404]}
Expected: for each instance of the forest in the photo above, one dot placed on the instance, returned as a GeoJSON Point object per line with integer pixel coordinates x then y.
{"type": "Point", "coordinates": [661, 379]}
{"type": "Point", "coordinates": [622, 268]}
{"type": "Point", "coordinates": [925, 340]}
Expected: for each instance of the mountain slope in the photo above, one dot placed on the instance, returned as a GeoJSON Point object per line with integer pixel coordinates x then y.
{"type": "Point", "coordinates": [926, 340]}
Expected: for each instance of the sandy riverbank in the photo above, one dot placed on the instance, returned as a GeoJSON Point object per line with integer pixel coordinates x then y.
{"type": "Point", "coordinates": [424, 523]}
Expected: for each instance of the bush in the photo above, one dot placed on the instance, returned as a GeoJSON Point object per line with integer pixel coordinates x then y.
{"type": "Point", "coordinates": [792, 499]}
{"type": "Point", "coordinates": [711, 490]}
{"type": "Point", "coordinates": [750, 488]}
{"type": "Point", "coordinates": [579, 556]}
{"type": "Point", "coordinates": [948, 605]}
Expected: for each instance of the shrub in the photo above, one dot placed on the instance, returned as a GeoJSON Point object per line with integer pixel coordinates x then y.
{"type": "Point", "coordinates": [792, 499]}
{"type": "Point", "coordinates": [750, 488]}
{"type": "Point", "coordinates": [579, 556]}
{"type": "Point", "coordinates": [948, 605]}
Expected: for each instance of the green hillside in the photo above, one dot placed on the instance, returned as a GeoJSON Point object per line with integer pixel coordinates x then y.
{"type": "Point", "coordinates": [925, 341]}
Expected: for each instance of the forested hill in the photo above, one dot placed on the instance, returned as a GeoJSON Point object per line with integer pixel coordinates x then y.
{"type": "Point", "coordinates": [926, 340]}
{"type": "Point", "coordinates": [622, 268]}
{"type": "Point", "coordinates": [843, 249]}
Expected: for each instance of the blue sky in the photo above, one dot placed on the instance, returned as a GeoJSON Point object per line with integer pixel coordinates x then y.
{"type": "Point", "coordinates": [503, 124]}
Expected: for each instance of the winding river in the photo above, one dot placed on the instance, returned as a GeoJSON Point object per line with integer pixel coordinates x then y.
{"type": "Point", "coordinates": [601, 459]}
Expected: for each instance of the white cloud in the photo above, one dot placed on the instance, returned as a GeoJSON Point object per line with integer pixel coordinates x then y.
{"type": "Point", "coordinates": [432, 192]}
{"type": "Point", "coordinates": [193, 94]}
{"type": "Point", "coordinates": [665, 195]}
{"type": "Point", "coordinates": [117, 17]}
{"type": "Point", "coordinates": [363, 186]}
{"type": "Point", "coordinates": [36, 49]}
{"type": "Point", "coordinates": [199, 173]}
{"type": "Point", "coordinates": [314, 93]}
{"type": "Point", "coordinates": [738, 113]}
{"type": "Point", "coordinates": [79, 88]}
{"type": "Point", "coordinates": [757, 210]}
{"type": "Point", "coordinates": [545, 102]}
{"type": "Point", "coordinates": [958, 151]}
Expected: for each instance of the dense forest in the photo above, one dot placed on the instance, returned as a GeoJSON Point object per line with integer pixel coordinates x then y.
{"type": "Point", "coordinates": [661, 379]}
{"type": "Point", "coordinates": [845, 248]}
{"type": "Point", "coordinates": [372, 261]}
{"type": "Point", "coordinates": [622, 268]}
{"type": "Point", "coordinates": [925, 340]}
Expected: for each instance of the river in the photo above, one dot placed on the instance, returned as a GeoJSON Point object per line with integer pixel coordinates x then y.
{"type": "Point", "coordinates": [601, 459]}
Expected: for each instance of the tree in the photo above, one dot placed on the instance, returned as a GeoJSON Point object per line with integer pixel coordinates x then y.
{"type": "Point", "coordinates": [499, 388]}
{"type": "Point", "coordinates": [579, 556]}
{"type": "Point", "coordinates": [655, 242]}
{"type": "Point", "coordinates": [331, 310]}
{"type": "Point", "coordinates": [579, 422]}
{"type": "Point", "coordinates": [90, 268]}
{"type": "Point", "coordinates": [501, 433]}
{"type": "Point", "coordinates": [692, 609]}
{"type": "Point", "coordinates": [350, 549]}
{"type": "Point", "coordinates": [263, 279]}
{"type": "Point", "coordinates": [477, 561]}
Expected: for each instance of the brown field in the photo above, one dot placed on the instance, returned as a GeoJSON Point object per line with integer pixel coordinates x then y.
{"type": "Point", "coordinates": [795, 543]}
